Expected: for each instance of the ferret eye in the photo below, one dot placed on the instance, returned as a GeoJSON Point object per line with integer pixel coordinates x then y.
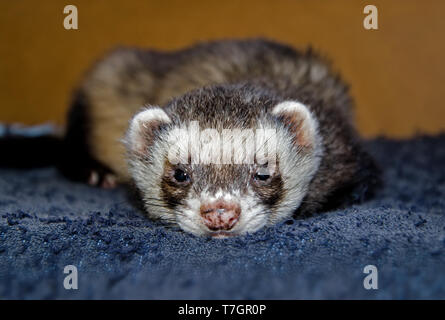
{"type": "Point", "coordinates": [261, 174]}
{"type": "Point", "coordinates": [181, 176]}
{"type": "Point", "coordinates": [261, 177]}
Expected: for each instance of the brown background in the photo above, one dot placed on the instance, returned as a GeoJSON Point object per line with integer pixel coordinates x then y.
{"type": "Point", "coordinates": [397, 73]}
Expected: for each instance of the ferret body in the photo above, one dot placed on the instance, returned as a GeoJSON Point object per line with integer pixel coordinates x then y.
{"type": "Point", "coordinates": [222, 85]}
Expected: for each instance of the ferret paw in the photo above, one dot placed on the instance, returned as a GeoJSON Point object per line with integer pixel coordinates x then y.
{"type": "Point", "coordinates": [106, 180]}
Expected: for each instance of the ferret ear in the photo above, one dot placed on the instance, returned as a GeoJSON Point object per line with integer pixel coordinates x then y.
{"type": "Point", "coordinates": [142, 129]}
{"type": "Point", "coordinates": [301, 123]}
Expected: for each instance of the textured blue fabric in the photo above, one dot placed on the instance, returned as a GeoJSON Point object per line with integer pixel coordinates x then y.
{"type": "Point", "coordinates": [47, 222]}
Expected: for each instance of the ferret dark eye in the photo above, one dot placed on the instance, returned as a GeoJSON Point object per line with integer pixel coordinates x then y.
{"type": "Point", "coordinates": [261, 177]}
{"type": "Point", "coordinates": [181, 175]}
{"type": "Point", "coordinates": [261, 174]}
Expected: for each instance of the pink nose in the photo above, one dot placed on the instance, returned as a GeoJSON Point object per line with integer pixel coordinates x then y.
{"type": "Point", "coordinates": [220, 215]}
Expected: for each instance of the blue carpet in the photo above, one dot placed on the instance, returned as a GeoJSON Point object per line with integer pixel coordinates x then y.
{"type": "Point", "coordinates": [47, 222]}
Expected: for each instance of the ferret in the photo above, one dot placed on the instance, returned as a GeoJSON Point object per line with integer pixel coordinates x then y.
{"type": "Point", "coordinates": [132, 103]}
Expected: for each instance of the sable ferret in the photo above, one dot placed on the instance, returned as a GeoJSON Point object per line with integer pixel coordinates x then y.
{"type": "Point", "coordinates": [224, 86]}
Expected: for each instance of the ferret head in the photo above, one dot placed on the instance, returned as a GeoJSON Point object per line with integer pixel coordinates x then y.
{"type": "Point", "coordinates": [223, 161]}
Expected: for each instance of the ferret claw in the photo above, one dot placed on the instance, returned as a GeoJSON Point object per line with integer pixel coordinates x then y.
{"type": "Point", "coordinates": [93, 179]}
{"type": "Point", "coordinates": [109, 181]}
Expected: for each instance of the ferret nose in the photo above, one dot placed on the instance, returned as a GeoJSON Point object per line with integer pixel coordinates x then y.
{"type": "Point", "coordinates": [220, 215]}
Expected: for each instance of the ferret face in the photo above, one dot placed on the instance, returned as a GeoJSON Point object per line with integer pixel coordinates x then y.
{"type": "Point", "coordinates": [216, 167]}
